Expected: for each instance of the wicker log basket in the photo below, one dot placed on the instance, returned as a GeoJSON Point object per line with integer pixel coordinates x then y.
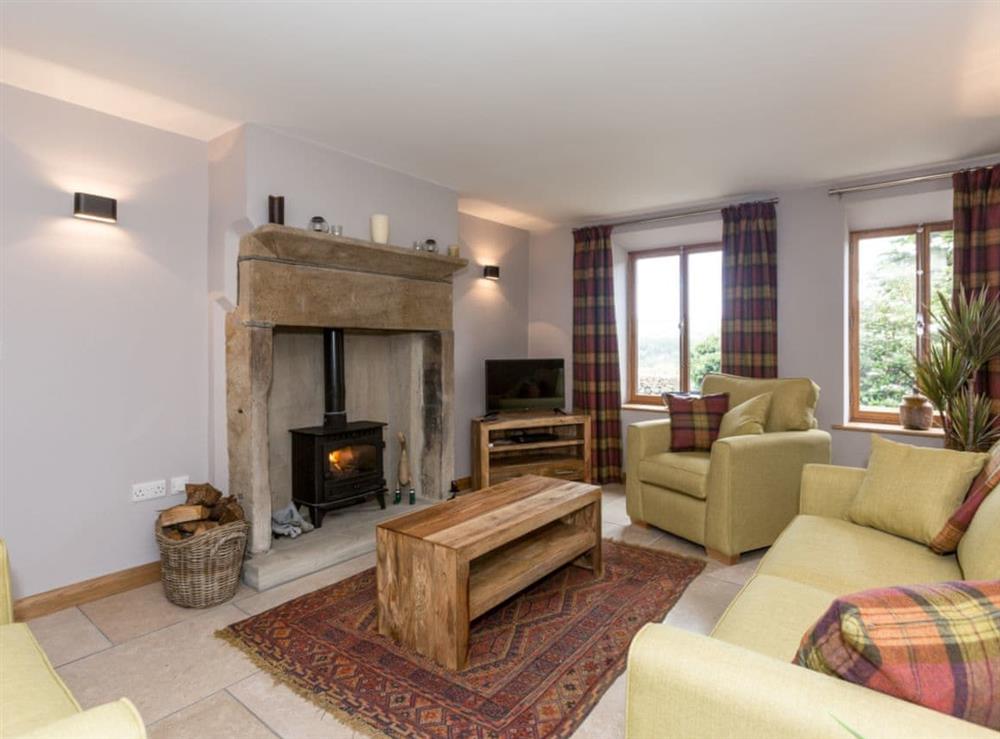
{"type": "Point", "coordinates": [204, 570]}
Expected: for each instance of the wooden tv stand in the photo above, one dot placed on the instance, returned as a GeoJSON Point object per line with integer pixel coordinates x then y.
{"type": "Point", "coordinates": [498, 456]}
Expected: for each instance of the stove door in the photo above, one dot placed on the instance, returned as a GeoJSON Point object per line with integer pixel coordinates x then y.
{"type": "Point", "coordinates": [344, 462]}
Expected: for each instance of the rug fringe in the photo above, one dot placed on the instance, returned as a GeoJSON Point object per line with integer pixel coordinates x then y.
{"type": "Point", "coordinates": [703, 561]}
{"type": "Point", "coordinates": [317, 699]}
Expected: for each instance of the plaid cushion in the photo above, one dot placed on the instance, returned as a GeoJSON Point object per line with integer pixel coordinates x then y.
{"type": "Point", "coordinates": [694, 422]}
{"type": "Point", "coordinates": [947, 539]}
{"type": "Point", "coordinates": [935, 645]}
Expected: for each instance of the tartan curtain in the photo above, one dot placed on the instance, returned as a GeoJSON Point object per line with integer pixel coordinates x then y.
{"type": "Point", "coordinates": [977, 246]}
{"type": "Point", "coordinates": [596, 382]}
{"type": "Point", "coordinates": [749, 290]}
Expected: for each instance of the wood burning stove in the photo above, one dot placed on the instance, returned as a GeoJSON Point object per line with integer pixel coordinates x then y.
{"type": "Point", "coordinates": [339, 462]}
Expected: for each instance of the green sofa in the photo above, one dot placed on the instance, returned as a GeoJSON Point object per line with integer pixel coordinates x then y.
{"type": "Point", "coordinates": [740, 681]}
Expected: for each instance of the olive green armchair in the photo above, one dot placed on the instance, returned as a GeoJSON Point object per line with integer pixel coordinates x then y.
{"type": "Point", "coordinates": [739, 496]}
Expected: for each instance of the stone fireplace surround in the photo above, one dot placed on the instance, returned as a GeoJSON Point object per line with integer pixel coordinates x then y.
{"type": "Point", "coordinates": [395, 302]}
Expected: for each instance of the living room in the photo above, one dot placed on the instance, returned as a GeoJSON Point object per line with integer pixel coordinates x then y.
{"type": "Point", "coordinates": [472, 369]}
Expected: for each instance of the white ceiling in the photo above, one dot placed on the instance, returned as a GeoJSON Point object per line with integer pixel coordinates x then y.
{"type": "Point", "coordinates": [562, 111]}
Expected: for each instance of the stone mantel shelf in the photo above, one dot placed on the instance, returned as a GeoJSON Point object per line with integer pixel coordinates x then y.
{"type": "Point", "coordinates": [290, 277]}
{"type": "Point", "coordinates": [298, 246]}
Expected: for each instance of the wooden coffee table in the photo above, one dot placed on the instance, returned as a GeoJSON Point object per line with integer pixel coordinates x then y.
{"type": "Point", "coordinates": [441, 567]}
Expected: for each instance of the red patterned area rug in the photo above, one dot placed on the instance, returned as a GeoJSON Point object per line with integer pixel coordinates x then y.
{"type": "Point", "coordinates": [537, 664]}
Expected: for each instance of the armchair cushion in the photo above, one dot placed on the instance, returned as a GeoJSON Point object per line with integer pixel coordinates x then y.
{"type": "Point", "coordinates": [912, 491]}
{"type": "Point", "coordinates": [684, 472]}
{"type": "Point", "coordinates": [695, 421]}
{"type": "Point", "coordinates": [749, 417]}
{"type": "Point", "coordinates": [793, 400]}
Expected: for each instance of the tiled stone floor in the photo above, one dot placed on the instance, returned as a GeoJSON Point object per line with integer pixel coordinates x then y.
{"type": "Point", "coordinates": [186, 683]}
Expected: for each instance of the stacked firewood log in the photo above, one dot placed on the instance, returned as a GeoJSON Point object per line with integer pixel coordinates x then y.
{"type": "Point", "coordinates": [204, 509]}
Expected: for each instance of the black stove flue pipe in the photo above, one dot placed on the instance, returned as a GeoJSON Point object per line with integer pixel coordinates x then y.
{"type": "Point", "coordinates": [335, 412]}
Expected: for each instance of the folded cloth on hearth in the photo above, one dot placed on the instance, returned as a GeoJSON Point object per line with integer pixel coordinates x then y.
{"type": "Point", "coordinates": [289, 522]}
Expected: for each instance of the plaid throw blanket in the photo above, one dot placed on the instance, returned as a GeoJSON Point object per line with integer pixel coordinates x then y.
{"type": "Point", "coordinates": [694, 422]}
{"type": "Point", "coordinates": [936, 645]}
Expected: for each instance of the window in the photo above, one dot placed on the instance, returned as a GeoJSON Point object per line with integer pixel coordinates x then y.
{"type": "Point", "coordinates": [895, 276]}
{"type": "Point", "coordinates": [675, 319]}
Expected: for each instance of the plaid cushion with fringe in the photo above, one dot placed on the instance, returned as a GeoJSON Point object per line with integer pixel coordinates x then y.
{"type": "Point", "coordinates": [947, 539]}
{"type": "Point", "coordinates": [694, 422]}
{"type": "Point", "coordinates": [935, 645]}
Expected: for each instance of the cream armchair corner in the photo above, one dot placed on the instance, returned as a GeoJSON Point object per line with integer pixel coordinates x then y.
{"type": "Point", "coordinates": [34, 702]}
{"type": "Point", "coordinates": [743, 493]}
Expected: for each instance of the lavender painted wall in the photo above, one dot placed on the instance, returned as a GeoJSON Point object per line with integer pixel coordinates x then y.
{"type": "Point", "coordinates": [104, 380]}
{"type": "Point", "coordinates": [491, 318]}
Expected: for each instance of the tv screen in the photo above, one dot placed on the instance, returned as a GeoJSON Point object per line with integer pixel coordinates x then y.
{"type": "Point", "coordinates": [524, 385]}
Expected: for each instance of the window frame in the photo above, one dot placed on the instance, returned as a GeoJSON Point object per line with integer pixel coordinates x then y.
{"type": "Point", "coordinates": [922, 275]}
{"type": "Point", "coordinates": [633, 345]}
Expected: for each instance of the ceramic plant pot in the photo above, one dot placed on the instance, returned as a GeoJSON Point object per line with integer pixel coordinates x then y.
{"type": "Point", "coordinates": [916, 412]}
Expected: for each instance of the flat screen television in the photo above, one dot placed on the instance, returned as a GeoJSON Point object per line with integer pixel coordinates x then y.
{"type": "Point", "coordinates": [525, 385]}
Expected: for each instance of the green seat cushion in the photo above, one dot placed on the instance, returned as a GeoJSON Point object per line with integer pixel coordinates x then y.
{"type": "Point", "coordinates": [771, 614]}
{"type": "Point", "coordinates": [912, 491]}
{"type": "Point", "coordinates": [685, 472]}
{"type": "Point", "coordinates": [31, 693]}
{"type": "Point", "coordinates": [841, 557]}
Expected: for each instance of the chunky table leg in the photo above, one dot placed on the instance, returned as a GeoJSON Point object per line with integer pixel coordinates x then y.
{"type": "Point", "coordinates": [423, 597]}
{"type": "Point", "coordinates": [589, 517]}
{"type": "Point", "coordinates": [450, 621]}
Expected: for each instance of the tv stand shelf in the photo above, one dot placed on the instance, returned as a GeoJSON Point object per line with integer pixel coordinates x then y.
{"type": "Point", "coordinates": [498, 455]}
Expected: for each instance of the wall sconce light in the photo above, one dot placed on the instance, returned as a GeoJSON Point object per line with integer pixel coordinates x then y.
{"type": "Point", "coordinates": [95, 207]}
{"type": "Point", "coordinates": [491, 272]}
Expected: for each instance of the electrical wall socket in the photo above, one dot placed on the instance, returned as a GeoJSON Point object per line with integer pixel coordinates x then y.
{"type": "Point", "coordinates": [177, 484]}
{"type": "Point", "coordinates": [149, 490]}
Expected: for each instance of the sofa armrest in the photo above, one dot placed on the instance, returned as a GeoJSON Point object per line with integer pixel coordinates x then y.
{"type": "Point", "coordinates": [643, 439]}
{"type": "Point", "coordinates": [827, 490]}
{"type": "Point", "coordinates": [6, 602]}
{"type": "Point", "coordinates": [117, 720]}
{"type": "Point", "coordinates": [753, 486]}
{"type": "Point", "coordinates": [686, 685]}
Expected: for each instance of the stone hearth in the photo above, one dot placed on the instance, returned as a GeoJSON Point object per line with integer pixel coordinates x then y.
{"type": "Point", "coordinates": [397, 302]}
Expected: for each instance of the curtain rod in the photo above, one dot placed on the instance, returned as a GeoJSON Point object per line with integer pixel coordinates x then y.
{"type": "Point", "coordinates": [896, 183]}
{"type": "Point", "coordinates": [674, 216]}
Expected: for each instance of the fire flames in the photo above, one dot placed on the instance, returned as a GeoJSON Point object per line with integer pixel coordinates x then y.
{"type": "Point", "coordinates": [343, 460]}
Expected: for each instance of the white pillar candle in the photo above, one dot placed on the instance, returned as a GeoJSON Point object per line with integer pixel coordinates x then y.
{"type": "Point", "coordinates": [380, 228]}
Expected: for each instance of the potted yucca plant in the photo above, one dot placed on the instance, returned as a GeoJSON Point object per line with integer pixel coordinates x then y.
{"type": "Point", "coordinates": [968, 338]}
